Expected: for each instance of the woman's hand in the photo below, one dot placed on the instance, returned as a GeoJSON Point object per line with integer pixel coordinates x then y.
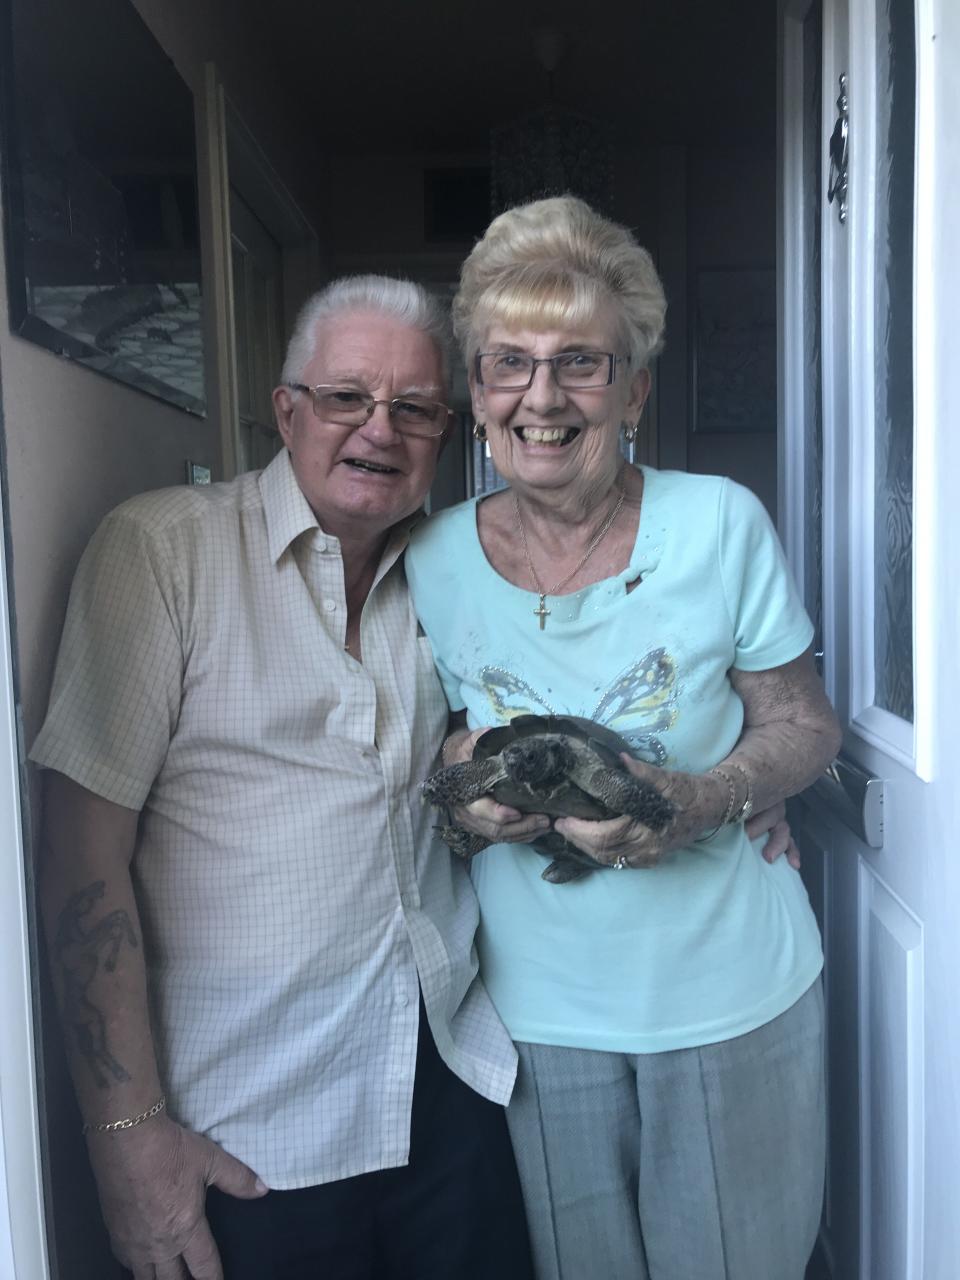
{"type": "Point", "coordinates": [699, 801]}
{"type": "Point", "coordinates": [498, 823]}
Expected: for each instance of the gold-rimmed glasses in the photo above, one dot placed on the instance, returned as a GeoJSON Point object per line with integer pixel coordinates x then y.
{"type": "Point", "coordinates": [411, 415]}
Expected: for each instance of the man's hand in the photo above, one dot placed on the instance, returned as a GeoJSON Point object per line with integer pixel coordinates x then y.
{"type": "Point", "coordinates": [153, 1181]}
{"type": "Point", "coordinates": [773, 824]}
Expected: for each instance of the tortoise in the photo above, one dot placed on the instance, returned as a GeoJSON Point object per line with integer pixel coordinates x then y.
{"type": "Point", "coordinates": [564, 766]}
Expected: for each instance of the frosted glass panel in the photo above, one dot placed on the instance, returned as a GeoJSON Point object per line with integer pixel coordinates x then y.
{"type": "Point", "coordinates": [893, 336]}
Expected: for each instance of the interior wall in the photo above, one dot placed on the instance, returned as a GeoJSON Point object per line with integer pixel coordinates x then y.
{"type": "Point", "coordinates": [692, 208]}
{"type": "Point", "coordinates": [389, 235]}
{"type": "Point", "coordinates": [77, 444]}
{"type": "Point", "coordinates": [731, 222]}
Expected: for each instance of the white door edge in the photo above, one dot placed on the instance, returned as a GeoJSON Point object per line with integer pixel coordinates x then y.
{"type": "Point", "coordinates": [927, 553]}
{"type": "Point", "coordinates": [23, 1244]}
{"type": "Point", "coordinates": [791, 277]}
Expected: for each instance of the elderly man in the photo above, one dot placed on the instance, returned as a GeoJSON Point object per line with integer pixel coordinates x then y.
{"type": "Point", "coordinates": [265, 962]}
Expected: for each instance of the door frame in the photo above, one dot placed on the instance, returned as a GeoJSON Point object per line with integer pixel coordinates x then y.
{"type": "Point", "coordinates": [23, 1235]}
{"type": "Point", "coordinates": [230, 154]}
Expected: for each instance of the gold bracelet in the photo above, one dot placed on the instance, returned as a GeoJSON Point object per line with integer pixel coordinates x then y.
{"type": "Point", "coordinates": [731, 793]}
{"type": "Point", "coordinates": [733, 813]}
{"type": "Point", "coordinates": [129, 1122]}
{"type": "Point", "coordinates": [746, 809]}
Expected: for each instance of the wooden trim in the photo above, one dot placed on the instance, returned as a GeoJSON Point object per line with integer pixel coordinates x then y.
{"type": "Point", "coordinates": [229, 152]}
{"type": "Point", "coordinates": [218, 276]}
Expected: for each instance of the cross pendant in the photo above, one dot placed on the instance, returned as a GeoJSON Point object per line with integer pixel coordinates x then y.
{"type": "Point", "coordinates": [543, 613]}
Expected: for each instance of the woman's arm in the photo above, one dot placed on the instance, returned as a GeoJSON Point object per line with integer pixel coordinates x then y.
{"type": "Point", "coordinates": [790, 734]}
{"type": "Point", "coordinates": [790, 731]}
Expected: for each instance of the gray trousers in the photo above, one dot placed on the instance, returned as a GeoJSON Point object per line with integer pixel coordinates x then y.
{"type": "Point", "coordinates": [694, 1164]}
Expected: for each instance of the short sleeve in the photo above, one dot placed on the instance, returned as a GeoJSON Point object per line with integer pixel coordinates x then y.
{"type": "Point", "coordinates": [450, 682]}
{"type": "Point", "coordinates": [118, 680]}
{"type": "Point", "coordinates": [770, 624]}
{"type": "Point", "coordinates": [434, 589]}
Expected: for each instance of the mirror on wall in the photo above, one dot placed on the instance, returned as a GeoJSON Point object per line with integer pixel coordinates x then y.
{"type": "Point", "coordinates": [99, 168]}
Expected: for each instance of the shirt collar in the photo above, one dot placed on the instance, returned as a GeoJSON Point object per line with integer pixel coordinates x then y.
{"type": "Point", "coordinates": [285, 509]}
{"type": "Point", "coordinates": [288, 515]}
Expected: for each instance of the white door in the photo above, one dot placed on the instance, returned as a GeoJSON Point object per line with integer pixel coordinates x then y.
{"type": "Point", "coordinates": [870, 496]}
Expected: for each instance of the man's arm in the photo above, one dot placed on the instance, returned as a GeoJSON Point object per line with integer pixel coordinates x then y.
{"type": "Point", "coordinates": [152, 1177]}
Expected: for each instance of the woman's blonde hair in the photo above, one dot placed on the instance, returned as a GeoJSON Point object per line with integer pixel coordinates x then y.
{"type": "Point", "coordinates": [552, 264]}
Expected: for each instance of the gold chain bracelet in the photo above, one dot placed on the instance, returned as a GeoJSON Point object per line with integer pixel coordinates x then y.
{"type": "Point", "coordinates": [129, 1122]}
{"type": "Point", "coordinates": [733, 813]}
{"type": "Point", "coordinates": [731, 808]}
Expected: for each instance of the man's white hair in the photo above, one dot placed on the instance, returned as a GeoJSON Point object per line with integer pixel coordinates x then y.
{"type": "Point", "coordinates": [403, 299]}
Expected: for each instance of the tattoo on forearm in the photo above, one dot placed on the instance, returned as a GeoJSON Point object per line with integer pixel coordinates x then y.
{"type": "Point", "coordinates": [81, 948]}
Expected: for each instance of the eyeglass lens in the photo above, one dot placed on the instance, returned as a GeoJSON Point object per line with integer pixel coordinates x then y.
{"type": "Point", "coordinates": [570, 368]}
{"type": "Point", "coordinates": [408, 413]}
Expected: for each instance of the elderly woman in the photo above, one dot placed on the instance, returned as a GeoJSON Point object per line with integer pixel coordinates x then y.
{"type": "Point", "coordinates": [668, 1118]}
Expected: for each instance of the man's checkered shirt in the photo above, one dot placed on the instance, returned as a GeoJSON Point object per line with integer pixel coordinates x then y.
{"type": "Point", "coordinates": [290, 888]}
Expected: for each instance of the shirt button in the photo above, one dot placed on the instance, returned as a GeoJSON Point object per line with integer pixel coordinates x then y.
{"type": "Point", "coordinates": [410, 899]}
{"type": "Point", "coordinates": [329, 605]}
{"type": "Point", "coordinates": [402, 999]}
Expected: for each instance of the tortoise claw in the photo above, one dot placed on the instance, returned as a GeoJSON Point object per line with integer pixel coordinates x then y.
{"type": "Point", "coordinates": [463, 843]}
{"type": "Point", "coordinates": [562, 871]}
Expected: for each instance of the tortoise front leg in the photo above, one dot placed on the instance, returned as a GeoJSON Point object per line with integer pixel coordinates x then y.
{"type": "Point", "coordinates": [463, 783]}
{"type": "Point", "coordinates": [623, 793]}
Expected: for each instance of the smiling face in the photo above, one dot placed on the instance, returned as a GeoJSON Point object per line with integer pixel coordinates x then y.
{"type": "Point", "coordinates": [554, 438]}
{"type": "Point", "coordinates": [361, 480]}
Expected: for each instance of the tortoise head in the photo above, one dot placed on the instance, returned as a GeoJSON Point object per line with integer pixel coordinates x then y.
{"type": "Point", "coordinates": [538, 761]}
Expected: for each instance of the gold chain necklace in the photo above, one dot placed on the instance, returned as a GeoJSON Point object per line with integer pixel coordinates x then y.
{"type": "Point", "coordinates": [541, 611]}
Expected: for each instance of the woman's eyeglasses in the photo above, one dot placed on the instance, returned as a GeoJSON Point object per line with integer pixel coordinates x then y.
{"type": "Point", "coordinates": [574, 370]}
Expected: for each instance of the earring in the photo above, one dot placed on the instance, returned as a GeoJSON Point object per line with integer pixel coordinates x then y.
{"type": "Point", "coordinates": [629, 432]}
{"type": "Point", "coordinates": [480, 431]}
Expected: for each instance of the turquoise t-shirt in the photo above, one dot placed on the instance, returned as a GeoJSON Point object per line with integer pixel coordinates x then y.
{"type": "Point", "coordinates": [713, 942]}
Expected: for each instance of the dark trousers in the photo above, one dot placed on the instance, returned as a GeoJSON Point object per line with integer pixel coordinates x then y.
{"type": "Point", "coordinates": [453, 1213]}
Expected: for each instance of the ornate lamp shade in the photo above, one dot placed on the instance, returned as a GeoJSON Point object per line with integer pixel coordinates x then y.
{"type": "Point", "coordinates": [551, 152]}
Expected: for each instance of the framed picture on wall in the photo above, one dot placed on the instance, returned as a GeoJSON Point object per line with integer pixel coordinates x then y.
{"type": "Point", "coordinates": [100, 195]}
{"type": "Point", "coordinates": [735, 350]}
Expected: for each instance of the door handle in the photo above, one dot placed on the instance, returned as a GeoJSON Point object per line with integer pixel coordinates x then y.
{"type": "Point", "coordinates": [837, 180]}
{"type": "Point", "coordinates": [853, 796]}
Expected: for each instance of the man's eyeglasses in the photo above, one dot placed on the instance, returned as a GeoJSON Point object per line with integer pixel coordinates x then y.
{"type": "Point", "coordinates": [574, 370]}
{"type": "Point", "coordinates": [410, 415]}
